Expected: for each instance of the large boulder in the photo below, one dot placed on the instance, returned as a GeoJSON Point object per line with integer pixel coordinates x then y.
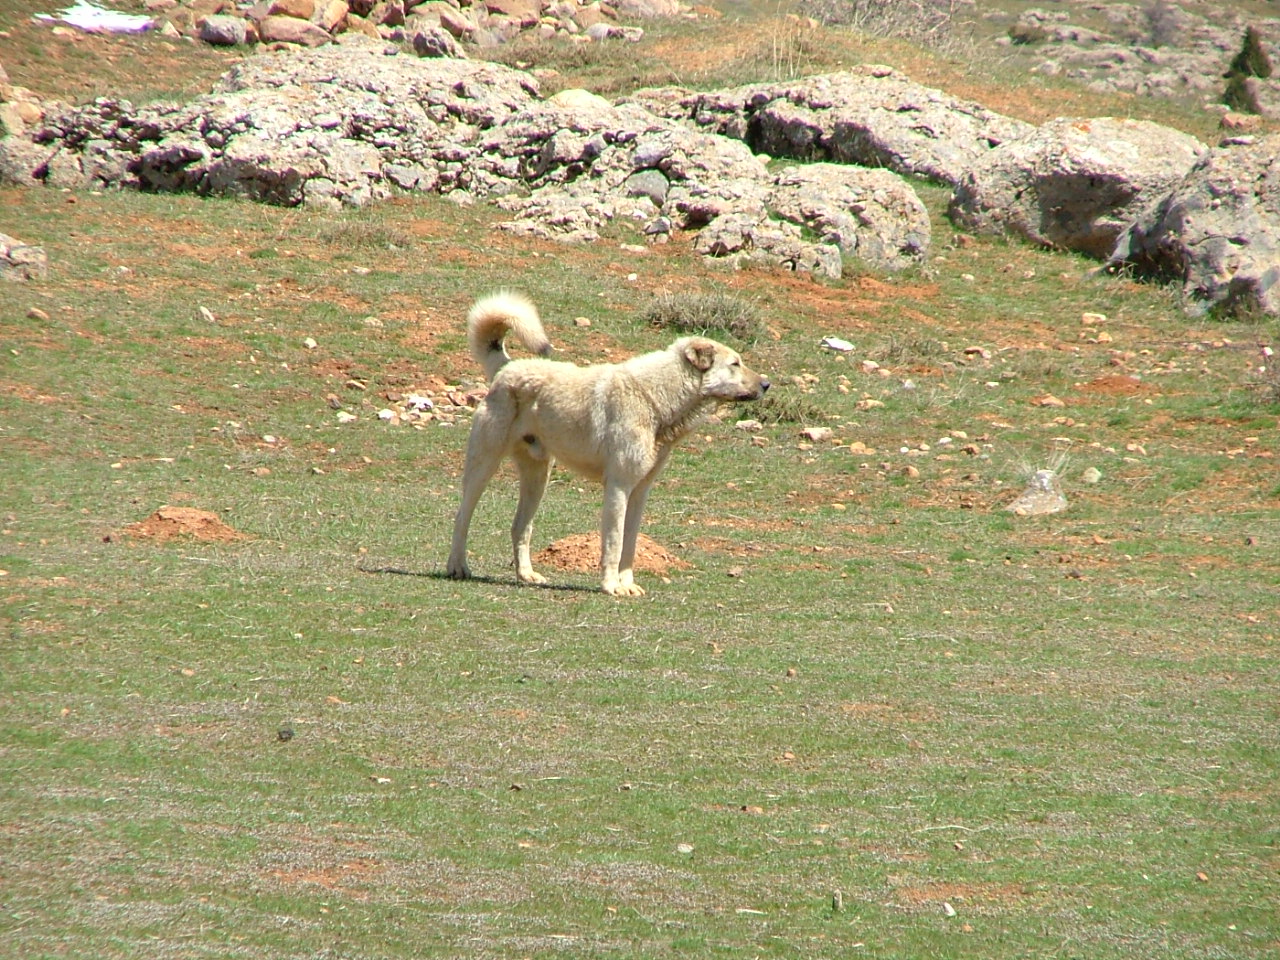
{"type": "Point", "coordinates": [870, 115]}
{"type": "Point", "coordinates": [1217, 232]}
{"type": "Point", "coordinates": [1073, 184]}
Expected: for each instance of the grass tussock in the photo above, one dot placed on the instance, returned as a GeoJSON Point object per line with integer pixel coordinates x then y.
{"type": "Point", "coordinates": [710, 314]}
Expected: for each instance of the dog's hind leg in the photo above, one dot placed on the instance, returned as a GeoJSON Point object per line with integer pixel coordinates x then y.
{"type": "Point", "coordinates": [534, 472]}
{"type": "Point", "coordinates": [485, 449]}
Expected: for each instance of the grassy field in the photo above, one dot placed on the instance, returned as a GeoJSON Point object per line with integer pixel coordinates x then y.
{"type": "Point", "coordinates": [873, 714]}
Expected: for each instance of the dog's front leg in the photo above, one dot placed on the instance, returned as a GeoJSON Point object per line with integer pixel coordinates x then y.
{"type": "Point", "coordinates": [612, 525]}
{"type": "Point", "coordinates": [631, 524]}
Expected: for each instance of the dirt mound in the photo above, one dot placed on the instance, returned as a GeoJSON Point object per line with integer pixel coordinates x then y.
{"type": "Point", "coordinates": [170, 522]}
{"type": "Point", "coordinates": [581, 552]}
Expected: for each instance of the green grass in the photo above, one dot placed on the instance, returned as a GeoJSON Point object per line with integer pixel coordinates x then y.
{"type": "Point", "coordinates": [867, 683]}
{"type": "Point", "coordinates": [871, 681]}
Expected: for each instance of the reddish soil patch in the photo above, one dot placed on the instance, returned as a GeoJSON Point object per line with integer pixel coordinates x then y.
{"type": "Point", "coordinates": [168, 523]}
{"type": "Point", "coordinates": [1116, 385]}
{"type": "Point", "coordinates": [580, 552]}
{"type": "Point", "coordinates": [331, 878]}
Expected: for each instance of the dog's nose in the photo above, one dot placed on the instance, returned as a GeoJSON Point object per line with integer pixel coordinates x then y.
{"type": "Point", "coordinates": [764, 384]}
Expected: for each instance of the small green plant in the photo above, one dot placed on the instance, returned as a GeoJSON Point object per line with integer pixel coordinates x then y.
{"type": "Point", "coordinates": [706, 313]}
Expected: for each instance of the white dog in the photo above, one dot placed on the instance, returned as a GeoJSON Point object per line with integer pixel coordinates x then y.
{"type": "Point", "coordinates": [616, 423]}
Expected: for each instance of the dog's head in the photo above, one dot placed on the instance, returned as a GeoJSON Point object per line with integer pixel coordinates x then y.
{"type": "Point", "coordinates": [724, 376]}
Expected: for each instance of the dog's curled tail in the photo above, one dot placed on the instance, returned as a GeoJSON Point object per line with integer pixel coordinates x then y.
{"type": "Point", "coordinates": [489, 321]}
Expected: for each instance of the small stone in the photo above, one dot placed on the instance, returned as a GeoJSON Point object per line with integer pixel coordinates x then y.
{"type": "Point", "coordinates": [1043, 495]}
{"type": "Point", "coordinates": [35, 313]}
{"type": "Point", "coordinates": [817, 434]}
{"type": "Point", "coordinates": [345, 417]}
{"type": "Point", "coordinates": [749, 426]}
{"type": "Point", "coordinates": [1091, 475]}
{"type": "Point", "coordinates": [310, 343]}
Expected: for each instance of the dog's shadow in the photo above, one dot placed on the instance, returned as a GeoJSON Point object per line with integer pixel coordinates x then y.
{"type": "Point", "coordinates": [477, 578]}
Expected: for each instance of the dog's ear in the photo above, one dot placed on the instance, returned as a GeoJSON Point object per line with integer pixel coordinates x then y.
{"type": "Point", "coordinates": [701, 353]}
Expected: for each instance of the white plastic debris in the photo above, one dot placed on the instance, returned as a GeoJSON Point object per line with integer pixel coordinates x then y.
{"type": "Point", "coordinates": [835, 343]}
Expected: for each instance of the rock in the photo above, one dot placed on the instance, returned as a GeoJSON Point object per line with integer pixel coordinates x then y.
{"type": "Point", "coordinates": [1217, 232]}
{"type": "Point", "coordinates": [223, 31]}
{"type": "Point", "coordinates": [1073, 184]}
{"type": "Point", "coordinates": [332, 15]}
{"type": "Point", "coordinates": [276, 29]}
{"type": "Point", "coordinates": [387, 13]}
{"type": "Point", "coordinates": [648, 183]}
{"type": "Point", "coordinates": [523, 12]}
{"type": "Point", "coordinates": [301, 9]}
{"type": "Point", "coordinates": [870, 115]}
{"type": "Point", "coordinates": [645, 9]}
{"type": "Point", "coordinates": [1043, 495]}
{"type": "Point", "coordinates": [436, 42]}
{"type": "Point", "coordinates": [872, 215]}
{"type": "Point", "coordinates": [21, 261]}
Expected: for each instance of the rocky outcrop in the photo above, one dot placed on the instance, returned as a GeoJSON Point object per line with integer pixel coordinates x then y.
{"type": "Point", "coordinates": [348, 123]}
{"type": "Point", "coordinates": [1217, 232]}
{"type": "Point", "coordinates": [1156, 49]}
{"type": "Point", "coordinates": [872, 116]}
{"type": "Point", "coordinates": [416, 23]}
{"type": "Point", "coordinates": [337, 124]}
{"type": "Point", "coordinates": [1073, 184]}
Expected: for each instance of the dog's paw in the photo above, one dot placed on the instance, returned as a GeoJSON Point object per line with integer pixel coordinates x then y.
{"type": "Point", "coordinates": [531, 576]}
{"type": "Point", "coordinates": [458, 572]}
{"type": "Point", "coordinates": [623, 589]}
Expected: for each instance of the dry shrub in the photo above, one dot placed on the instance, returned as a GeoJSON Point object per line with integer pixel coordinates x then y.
{"type": "Point", "coordinates": [705, 313]}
